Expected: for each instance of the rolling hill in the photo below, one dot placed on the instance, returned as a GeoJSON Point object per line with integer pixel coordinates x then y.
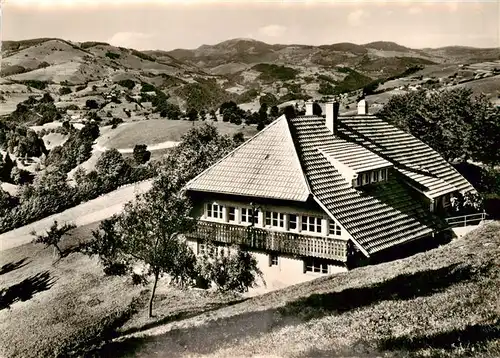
{"type": "Point", "coordinates": [204, 77]}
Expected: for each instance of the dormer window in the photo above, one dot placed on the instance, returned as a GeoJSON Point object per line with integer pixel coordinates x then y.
{"type": "Point", "coordinates": [373, 176]}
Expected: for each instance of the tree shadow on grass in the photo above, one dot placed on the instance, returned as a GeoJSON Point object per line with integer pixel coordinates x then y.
{"type": "Point", "coordinates": [181, 315]}
{"type": "Point", "coordinates": [26, 289]}
{"type": "Point", "coordinates": [401, 287]}
{"type": "Point", "coordinates": [219, 333]}
{"type": "Point", "coordinates": [472, 336]}
{"type": "Point", "coordinates": [11, 266]}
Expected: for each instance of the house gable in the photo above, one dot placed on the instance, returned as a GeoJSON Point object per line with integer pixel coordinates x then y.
{"type": "Point", "coordinates": [265, 166]}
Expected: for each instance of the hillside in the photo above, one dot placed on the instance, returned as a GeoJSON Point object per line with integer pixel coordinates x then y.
{"type": "Point", "coordinates": [441, 303]}
{"type": "Point", "coordinates": [205, 77]}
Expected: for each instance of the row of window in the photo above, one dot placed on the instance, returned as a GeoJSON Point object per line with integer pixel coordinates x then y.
{"type": "Point", "coordinates": [371, 177]}
{"type": "Point", "coordinates": [273, 219]}
{"type": "Point", "coordinates": [310, 264]}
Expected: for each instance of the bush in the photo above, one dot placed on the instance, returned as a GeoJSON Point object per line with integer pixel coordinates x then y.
{"type": "Point", "coordinates": [128, 83]}
{"type": "Point", "coordinates": [64, 90]}
{"type": "Point", "coordinates": [229, 268]}
{"type": "Point", "coordinates": [147, 87]}
{"type": "Point", "coordinates": [91, 104]}
{"type": "Point", "coordinates": [112, 55]}
{"type": "Point", "coordinates": [41, 85]}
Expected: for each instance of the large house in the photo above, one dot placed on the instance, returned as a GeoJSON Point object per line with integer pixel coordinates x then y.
{"type": "Point", "coordinates": [315, 195]}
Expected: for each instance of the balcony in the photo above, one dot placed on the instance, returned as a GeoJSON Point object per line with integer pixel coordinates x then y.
{"type": "Point", "coordinates": [263, 239]}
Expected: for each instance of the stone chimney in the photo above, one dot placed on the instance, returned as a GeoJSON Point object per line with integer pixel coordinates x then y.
{"type": "Point", "coordinates": [332, 116]}
{"type": "Point", "coordinates": [362, 107]}
{"type": "Point", "coordinates": [309, 108]}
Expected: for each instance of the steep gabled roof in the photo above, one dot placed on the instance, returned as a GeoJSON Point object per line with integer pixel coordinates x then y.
{"type": "Point", "coordinates": [376, 216]}
{"type": "Point", "coordinates": [267, 166]}
{"type": "Point", "coordinates": [409, 155]}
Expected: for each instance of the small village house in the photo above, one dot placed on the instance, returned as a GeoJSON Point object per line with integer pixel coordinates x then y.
{"type": "Point", "coordinates": [317, 195]}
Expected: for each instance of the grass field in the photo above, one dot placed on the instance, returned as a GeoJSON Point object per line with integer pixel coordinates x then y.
{"type": "Point", "coordinates": [51, 308]}
{"type": "Point", "coordinates": [442, 303]}
{"type": "Point", "coordinates": [152, 132]}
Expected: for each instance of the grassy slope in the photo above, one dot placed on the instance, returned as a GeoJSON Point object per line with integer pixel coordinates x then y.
{"type": "Point", "coordinates": [158, 131]}
{"type": "Point", "coordinates": [49, 308]}
{"type": "Point", "coordinates": [440, 303]}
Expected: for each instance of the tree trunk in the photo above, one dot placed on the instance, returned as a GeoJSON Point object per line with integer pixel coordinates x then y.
{"type": "Point", "coordinates": [157, 274]}
{"type": "Point", "coordinates": [59, 250]}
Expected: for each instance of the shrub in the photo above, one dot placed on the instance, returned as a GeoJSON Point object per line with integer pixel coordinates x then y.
{"type": "Point", "coordinates": [147, 87]}
{"type": "Point", "coordinates": [229, 268]}
{"type": "Point", "coordinates": [112, 55]}
{"type": "Point", "coordinates": [41, 85]}
{"type": "Point", "coordinates": [64, 90]}
{"type": "Point", "coordinates": [91, 104]}
{"type": "Point", "coordinates": [128, 83]}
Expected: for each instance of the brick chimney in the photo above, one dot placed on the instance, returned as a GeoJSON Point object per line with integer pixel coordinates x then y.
{"type": "Point", "coordinates": [362, 107]}
{"type": "Point", "coordinates": [332, 116]}
{"type": "Point", "coordinates": [309, 108]}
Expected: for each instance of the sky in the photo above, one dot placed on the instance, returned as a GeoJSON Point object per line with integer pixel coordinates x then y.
{"type": "Point", "coordinates": [166, 25]}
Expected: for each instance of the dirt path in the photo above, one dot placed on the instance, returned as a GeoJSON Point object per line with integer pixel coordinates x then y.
{"type": "Point", "coordinates": [164, 145]}
{"type": "Point", "coordinates": [86, 213]}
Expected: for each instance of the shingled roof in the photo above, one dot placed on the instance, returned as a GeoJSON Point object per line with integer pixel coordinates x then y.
{"type": "Point", "coordinates": [409, 155]}
{"type": "Point", "coordinates": [266, 166]}
{"type": "Point", "coordinates": [376, 216]}
{"type": "Point", "coordinates": [289, 160]}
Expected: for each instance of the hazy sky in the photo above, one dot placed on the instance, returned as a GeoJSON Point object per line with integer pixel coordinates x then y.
{"type": "Point", "coordinates": [174, 24]}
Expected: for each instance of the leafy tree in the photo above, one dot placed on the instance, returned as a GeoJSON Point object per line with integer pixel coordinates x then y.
{"type": "Point", "coordinates": [229, 268]}
{"type": "Point", "coordinates": [451, 122]}
{"type": "Point", "coordinates": [53, 236]}
{"type": "Point", "coordinates": [268, 99]}
{"type": "Point", "coordinates": [112, 168]}
{"type": "Point", "coordinates": [6, 166]}
{"type": "Point", "coordinates": [147, 87]}
{"type": "Point", "coordinates": [192, 114]}
{"type": "Point", "coordinates": [46, 98]}
{"type": "Point", "coordinates": [274, 111]}
{"type": "Point", "coordinates": [64, 90]}
{"type": "Point", "coordinates": [91, 104]}
{"type": "Point", "coordinates": [20, 176]}
{"type": "Point", "coordinates": [203, 115]}
{"type": "Point", "coordinates": [238, 138]}
{"type": "Point", "coordinates": [141, 154]}
{"type": "Point", "coordinates": [148, 231]}
{"type": "Point", "coordinates": [290, 112]}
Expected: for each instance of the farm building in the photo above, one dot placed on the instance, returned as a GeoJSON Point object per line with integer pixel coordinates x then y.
{"type": "Point", "coordinates": [316, 195]}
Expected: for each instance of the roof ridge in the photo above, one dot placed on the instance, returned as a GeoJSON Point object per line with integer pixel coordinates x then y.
{"type": "Point", "coordinates": [297, 156]}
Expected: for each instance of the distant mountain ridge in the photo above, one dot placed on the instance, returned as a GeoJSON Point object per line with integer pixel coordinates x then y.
{"type": "Point", "coordinates": [240, 69]}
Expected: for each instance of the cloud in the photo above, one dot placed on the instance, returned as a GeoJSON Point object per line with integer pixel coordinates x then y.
{"type": "Point", "coordinates": [415, 10]}
{"type": "Point", "coordinates": [355, 18]}
{"type": "Point", "coordinates": [272, 30]}
{"type": "Point", "coordinates": [129, 39]}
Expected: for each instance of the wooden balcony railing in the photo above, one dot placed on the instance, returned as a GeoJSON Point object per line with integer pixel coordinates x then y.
{"type": "Point", "coordinates": [263, 239]}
